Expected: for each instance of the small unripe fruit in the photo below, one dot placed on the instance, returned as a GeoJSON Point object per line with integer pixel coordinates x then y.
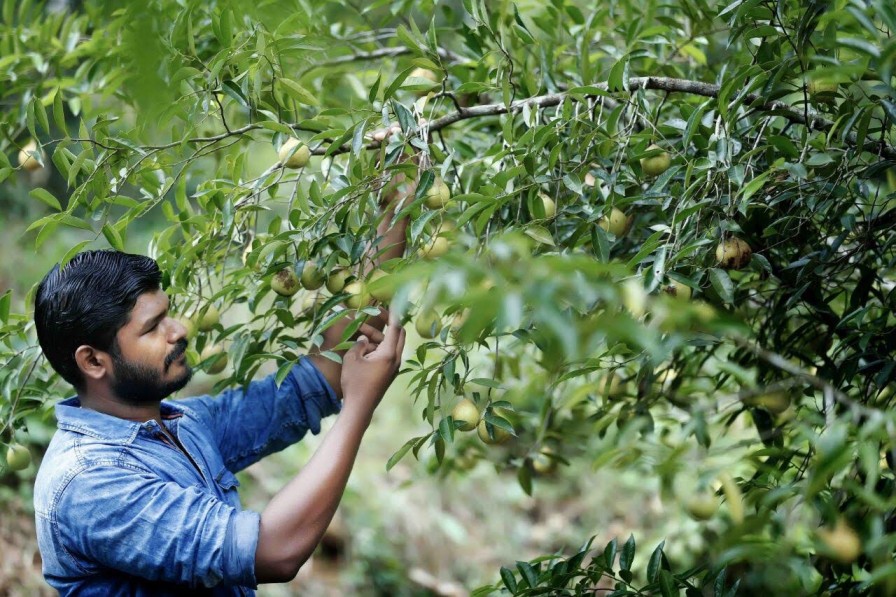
{"type": "Point", "coordinates": [616, 223]}
{"type": "Point", "coordinates": [733, 253]}
{"type": "Point", "coordinates": [428, 324]}
{"type": "Point", "coordinates": [312, 277]}
{"type": "Point", "coordinates": [543, 463]}
{"type": "Point", "coordinates": [379, 286]}
{"type": "Point", "coordinates": [656, 165]}
{"type": "Point", "coordinates": [209, 319]}
{"type": "Point", "coordinates": [217, 358]}
{"type": "Point", "coordinates": [466, 413]}
{"type": "Point", "coordinates": [702, 506]}
{"type": "Point", "coordinates": [359, 297]}
{"type": "Point", "coordinates": [841, 542]}
{"type": "Point", "coordinates": [438, 195]}
{"type": "Point", "coordinates": [437, 247]}
{"type": "Point", "coordinates": [299, 158]}
{"type": "Point", "coordinates": [550, 208]}
{"type": "Point", "coordinates": [285, 282]}
{"type": "Point", "coordinates": [336, 280]}
{"type": "Point", "coordinates": [498, 435]}
{"type": "Point", "coordinates": [28, 155]}
{"type": "Point", "coordinates": [18, 457]}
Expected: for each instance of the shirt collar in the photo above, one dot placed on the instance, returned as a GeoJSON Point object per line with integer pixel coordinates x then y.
{"type": "Point", "coordinates": [71, 417]}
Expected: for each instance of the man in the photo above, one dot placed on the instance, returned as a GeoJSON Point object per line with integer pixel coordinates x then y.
{"type": "Point", "coordinates": [136, 495]}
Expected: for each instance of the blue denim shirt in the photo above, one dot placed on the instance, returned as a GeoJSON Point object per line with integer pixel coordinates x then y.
{"type": "Point", "coordinates": [122, 511]}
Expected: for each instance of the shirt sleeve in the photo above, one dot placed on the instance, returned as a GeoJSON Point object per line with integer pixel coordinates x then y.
{"type": "Point", "coordinates": [131, 520]}
{"type": "Point", "coordinates": [249, 424]}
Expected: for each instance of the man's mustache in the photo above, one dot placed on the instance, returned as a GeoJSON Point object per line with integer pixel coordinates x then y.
{"type": "Point", "coordinates": [179, 349]}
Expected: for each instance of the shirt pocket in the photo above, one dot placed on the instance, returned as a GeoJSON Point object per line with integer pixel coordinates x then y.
{"type": "Point", "coordinates": [228, 486]}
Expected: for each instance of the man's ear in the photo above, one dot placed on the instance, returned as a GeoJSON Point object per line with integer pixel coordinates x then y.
{"type": "Point", "coordinates": [94, 364]}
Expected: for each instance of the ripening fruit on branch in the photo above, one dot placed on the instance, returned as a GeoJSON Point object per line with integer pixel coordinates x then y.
{"type": "Point", "coordinates": [466, 413]}
{"type": "Point", "coordinates": [312, 277]}
{"type": "Point", "coordinates": [31, 157]}
{"type": "Point", "coordinates": [208, 319]}
{"type": "Point", "coordinates": [678, 290]}
{"type": "Point", "coordinates": [216, 357]}
{"type": "Point", "coordinates": [544, 463]}
{"type": "Point", "coordinates": [616, 223]}
{"type": "Point", "coordinates": [428, 324]}
{"type": "Point", "coordinates": [550, 208]}
{"type": "Point", "coordinates": [359, 296]}
{"type": "Point", "coordinates": [312, 302]}
{"type": "Point", "coordinates": [425, 73]}
{"type": "Point", "coordinates": [336, 280]}
{"type": "Point", "coordinates": [379, 286]}
{"type": "Point", "coordinates": [657, 164]}
{"type": "Point", "coordinates": [18, 457]}
{"type": "Point", "coordinates": [437, 195]}
{"type": "Point", "coordinates": [702, 505]}
{"type": "Point", "coordinates": [294, 159]}
{"type": "Point", "coordinates": [733, 253]}
{"type": "Point", "coordinates": [774, 402]}
{"type": "Point", "coordinates": [285, 282]}
{"type": "Point", "coordinates": [492, 434]}
{"type": "Point", "coordinates": [842, 543]}
{"type": "Point", "coordinates": [190, 326]}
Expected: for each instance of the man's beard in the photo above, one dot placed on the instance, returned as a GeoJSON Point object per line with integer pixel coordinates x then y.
{"type": "Point", "coordinates": [138, 384]}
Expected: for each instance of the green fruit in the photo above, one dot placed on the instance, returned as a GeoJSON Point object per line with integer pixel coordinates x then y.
{"type": "Point", "coordinates": [298, 158]}
{"type": "Point", "coordinates": [359, 297]}
{"type": "Point", "coordinates": [216, 357]}
{"type": "Point", "coordinates": [312, 277]}
{"type": "Point", "coordinates": [678, 290]}
{"type": "Point", "coordinates": [497, 436]}
{"type": "Point", "coordinates": [543, 463]}
{"type": "Point", "coordinates": [656, 165]}
{"type": "Point", "coordinates": [379, 286]}
{"type": "Point", "coordinates": [437, 247]}
{"type": "Point", "coordinates": [285, 282]}
{"type": "Point", "coordinates": [336, 280]}
{"type": "Point", "coordinates": [702, 506]}
{"type": "Point", "coordinates": [438, 195]}
{"type": "Point", "coordinates": [18, 457]}
{"type": "Point", "coordinates": [312, 303]}
{"type": "Point", "coordinates": [428, 324]}
{"type": "Point", "coordinates": [774, 402]}
{"type": "Point", "coordinates": [733, 253]}
{"type": "Point", "coordinates": [550, 208]}
{"type": "Point", "coordinates": [209, 319]}
{"type": "Point", "coordinates": [466, 413]}
{"type": "Point", "coordinates": [822, 88]}
{"type": "Point", "coordinates": [190, 326]}
{"type": "Point", "coordinates": [616, 223]}
{"type": "Point", "coordinates": [30, 157]}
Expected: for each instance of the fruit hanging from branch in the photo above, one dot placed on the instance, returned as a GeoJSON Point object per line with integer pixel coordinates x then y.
{"type": "Point", "coordinates": [438, 195]}
{"type": "Point", "coordinates": [466, 413]}
{"type": "Point", "coordinates": [616, 223]}
{"type": "Point", "coordinates": [31, 157]}
{"type": "Point", "coordinates": [214, 357]}
{"type": "Point", "coordinates": [294, 154]}
{"type": "Point", "coordinates": [208, 319]}
{"type": "Point", "coordinates": [656, 164]}
{"type": "Point", "coordinates": [312, 277]}
{"type": "Point", "coordinates": [285, 282]}
{"type": "Point", "coordinates": [733, 253]}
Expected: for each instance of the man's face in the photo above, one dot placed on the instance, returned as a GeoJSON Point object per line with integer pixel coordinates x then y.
{"type": "Point", "coordinates": [149, 354]}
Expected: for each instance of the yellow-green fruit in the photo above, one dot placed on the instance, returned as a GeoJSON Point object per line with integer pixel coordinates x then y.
{"type": "Point", "coordinates": [359, 297]}
{"type": "Point", "coordinates": [216, 357]}
{"type": "Point", "coordinates": [656, 165]}
{"type": "Point", "coordinates": [841, 542]}
{"type": "Point", "coordinates": [774, 402]}
{"type": "Point", "coordinates": [312, 303]}
{"type": "Point", "coordinates": [543, 463]}
{"type": "Point", "coordinates": [312, 277]}
{"type": "Point", "coordinates": [27, 156]}
{"type": "Point", "coordinates": [678, 290]}
{"type": "Point", "coordinates": [299, 158]}
{"type": "Point", "coordinates": [18, 457]}
{"type": "Point", "coordinates": [437, 247]}
{"type": "Point", "coordinates": [733, 253]}
{"type": "Point", "coordinates": [466, 413]}
{"type": "Point", "coordinates": [459, 319]}
{"type": "Point", "coordinates": [702, 506]}
{"type": "Point", "coordinates": [616, 223]}
{"type": "Point", "coordinates": [428, 324]}
{"type": "Point", "coordinates": [822, 88]}
{"type": "Point", "coordinates": [499, 435]}
{"type": "Point", "coordinates": [208, 319]}
{"type": "Point", "coordinates": [438, 195]}
{"type": "Point", "coordinates": [190, 326]}
{"type": "Point", "coordinates": [379, 286]}
{"type": "Point", "coordinates": [424, 73]}
{"type": "Point", "coordinates": [550, 208]}
{"type": "Point", "coordinates": [336, 280]}
{"type": "Point", "coordinates": [285, 282]}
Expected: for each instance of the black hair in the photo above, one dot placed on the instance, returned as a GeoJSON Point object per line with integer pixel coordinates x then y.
{"type": "Point", "coordinates": [86, 302]}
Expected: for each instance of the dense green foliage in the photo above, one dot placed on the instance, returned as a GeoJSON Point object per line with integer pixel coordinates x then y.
{"type": "Point", "coordinates": [768, 391]}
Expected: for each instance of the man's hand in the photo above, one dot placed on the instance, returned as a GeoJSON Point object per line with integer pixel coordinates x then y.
{"type": "Point", "coordinates": [368, 369]}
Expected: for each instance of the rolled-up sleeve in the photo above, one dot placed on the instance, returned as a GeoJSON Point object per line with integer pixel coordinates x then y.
{"type": "Point", "coordinates": [135, 522]}
{"type": "Point", "coordinates": [249, 424]}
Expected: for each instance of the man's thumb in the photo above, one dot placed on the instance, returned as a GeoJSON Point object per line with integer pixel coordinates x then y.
{"type": "Point", "coordinates": [360, 346]}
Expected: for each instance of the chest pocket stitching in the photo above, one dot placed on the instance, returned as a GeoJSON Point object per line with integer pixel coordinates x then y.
{"type": "Point", "coordinates": [226, 480]}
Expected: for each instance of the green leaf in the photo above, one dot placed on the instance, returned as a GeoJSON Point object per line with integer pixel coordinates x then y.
{"type": "Point", "coordinates": [45, 196]}
{"type": "Point", "coordinates": [722, 284]}
{"type": "Point", "coordinates": [655, 562]}
{"type": "Point", "coordinates": [524, 477]}
{"type": "Point", "coordinates": [668, 586]}
{"type": "Point", "coordinates": [539, 234]}
{"type": "Point", "coordinates": [113, 237]}
{"type": "Point", "coordinates": [5, 302]}
{"type": "Point", "coordinates": [508, 579]}
{"type": "Point", "coordinates": [395, 458]}
{"type": "Point", "coordinates": [299, 93]}
{"type": "Point", "coordinates": [627, 555]}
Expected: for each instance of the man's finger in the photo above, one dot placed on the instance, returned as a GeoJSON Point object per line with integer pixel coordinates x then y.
{"type": "Point", "coordinates": [399, 349]}
{"type": "Point", "coordinates": [393, 332]}
{"type": "Point", "coordinates": [375, 335]}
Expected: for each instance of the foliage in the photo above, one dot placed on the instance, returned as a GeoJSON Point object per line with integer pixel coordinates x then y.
{"type": "Point", "coordinates": [769, 389]}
